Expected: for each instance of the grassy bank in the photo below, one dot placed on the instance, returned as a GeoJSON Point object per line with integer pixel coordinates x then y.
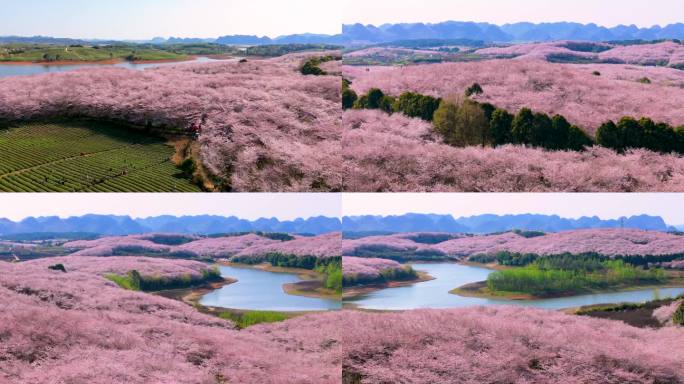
{"type": "Point", "coordinates": [30, 53]}
{"type": "Point", "coordinates": [635, 314]}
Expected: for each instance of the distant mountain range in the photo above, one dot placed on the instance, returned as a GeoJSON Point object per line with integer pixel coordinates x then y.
{"type": "Point", "coordinates": [50, 40]}
{"type": "Point", "coordinates": [204, 224]}
{"type": "Point", "coordinates": [414, 222]}
{"type": "Point", "coordinates": [359, 34]}
{"type": "Point", "coordinates": [304, 38]}
{"type": "Point", "coordinates": [517, 32]}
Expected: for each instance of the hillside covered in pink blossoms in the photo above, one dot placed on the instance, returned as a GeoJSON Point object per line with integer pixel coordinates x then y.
{"type": "Point", "coordinates": [572, 90]}
{"type": "Point", "coordinates": [78, 327]}
{"type": "Point", "coordinates": [366, 268]}
{"type": "Point", "coordinates": [264, 125]}
{"type": "Point", "coordinates": [667, 53]}
{"type": "Point", "coordinates": [399, 242]}
{"type": "Point", "coordinates": [247, 245]}
{"type": "Point", "coordinates": [505, 345]}
{"type": "Point", "coordinates": [394, 153]}
{"type": "Point", "coordinates": [607, 242]}
{"type": "Point", "coordinates": [121, 265]}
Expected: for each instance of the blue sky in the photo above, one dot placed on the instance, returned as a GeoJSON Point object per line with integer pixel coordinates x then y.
{"type": "Point", "coordinates": [643, 13]}
{"type": "Point", "coordinates": [570, 205]}
{"type": "Point", "coordinates": [285, 206]}
{"type": "Point", "coordinates": [143, 19]}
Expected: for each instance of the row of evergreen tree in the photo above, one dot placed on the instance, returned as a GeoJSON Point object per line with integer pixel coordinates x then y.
{"type": "Point", "coordinates": [463, 122]}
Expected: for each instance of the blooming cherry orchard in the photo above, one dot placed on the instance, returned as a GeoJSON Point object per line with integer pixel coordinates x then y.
{"type": "Point", "coordinates": [502, 344]}
{"type": "Point", "coordinates": [78, 327]}
{"type": "Point", "coordinates": [604, 241]}
{"type": "Point", "coordinates": [264, 125]}
{"type": "Point", "coordinates": [383, 153]}
{"type": "Point", "coordinates": [366, 268]}
{"type": "Point", "coordinates": [247, 245]}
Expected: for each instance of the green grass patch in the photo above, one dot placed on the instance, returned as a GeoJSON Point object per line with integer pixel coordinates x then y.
{"type": "Point", "coordinates": [85, 156]}
{"type": "Point", "coordinates": [125, 282]}
{"type": "Point", "coordinates": [247, 319]}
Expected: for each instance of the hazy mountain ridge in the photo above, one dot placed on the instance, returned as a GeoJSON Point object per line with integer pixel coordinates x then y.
{"type": "Point", "coordinates": [489, 223]}
{"type": "Point", "coordinates": [370, 34]}
{"type": "Point", "coordinates": [303, 38]}
{"type": "Point", "coordinates": [202, 224]}
{"type": "Point", "coordinates": [515, 32]}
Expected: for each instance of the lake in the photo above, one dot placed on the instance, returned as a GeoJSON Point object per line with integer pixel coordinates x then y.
{"type": "Point", "coordinates": [435, 293]}
{"type": "Point", "coordinates": [262, 290]}
{"type": "Point", "coordinates": [8, 70]}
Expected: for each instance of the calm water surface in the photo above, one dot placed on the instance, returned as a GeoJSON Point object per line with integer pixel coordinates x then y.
{"type": "Point", "coordinates": [262, 290]}
{"type": "Point", "coordinates": [435, 293]}
{"type": "Point", "coordinates": [8, 70]}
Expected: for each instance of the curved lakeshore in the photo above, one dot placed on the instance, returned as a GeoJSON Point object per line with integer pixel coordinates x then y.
{"type": "Point", "coordinates": [365, 289]}
{"type": "Point", "coordinates": [479, 289]}
{"type": "Point", "coordinates": [266, 288]}
{"type": "Point", "coordinates": [436, 293]}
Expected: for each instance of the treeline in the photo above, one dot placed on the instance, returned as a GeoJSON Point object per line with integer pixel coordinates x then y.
{"type": "Point", "coordinates": [289, 261]}
{"type": "Point", "coordinates": [312, 66]}
{"type": "Point", "coordinates": [134, 281]}
{"type": "Point", "coordinates": [464, 122]}
{"type": "Point", "coordinates": [400, 255]}
{"type": "Point", "coordinates": [643, 133]}
{"type": "Point", "coordinates": [546, 277]}
{"type": "Point", "coordinates": [515, 259]}
{"type": "Point", "coordinates": [529, 234]}
{"type": "Point", "coordinates": [385, 276]}
{"type": "Point", "coordinates": [283, 49]}
{"type": "Point", "coordinates": [431, 238]}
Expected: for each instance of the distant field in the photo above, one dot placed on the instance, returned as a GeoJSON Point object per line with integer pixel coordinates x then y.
{"type": "Point", "coordinates": [50, 53]}
{"type": "Point", "coordinates": [86, 157]}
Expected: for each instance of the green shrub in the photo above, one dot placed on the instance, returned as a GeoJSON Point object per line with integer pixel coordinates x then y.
{"type": "Point", "coordinates": [311, 67]}
{"type": "Point", "coordinates": [500, 127]}
{"type": "Point", "coordinates": [475, 89]}
{"type": "Point", "coordinates": [462, 123]}
{"type": "Point", "coordinates": [349, 97]}
{"type": "Point", "coordinates": [58, 267]}
{"type": "Point", "coordinates": [678, 317]}
{"type": "Point", "coordinates": [416, 105]}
